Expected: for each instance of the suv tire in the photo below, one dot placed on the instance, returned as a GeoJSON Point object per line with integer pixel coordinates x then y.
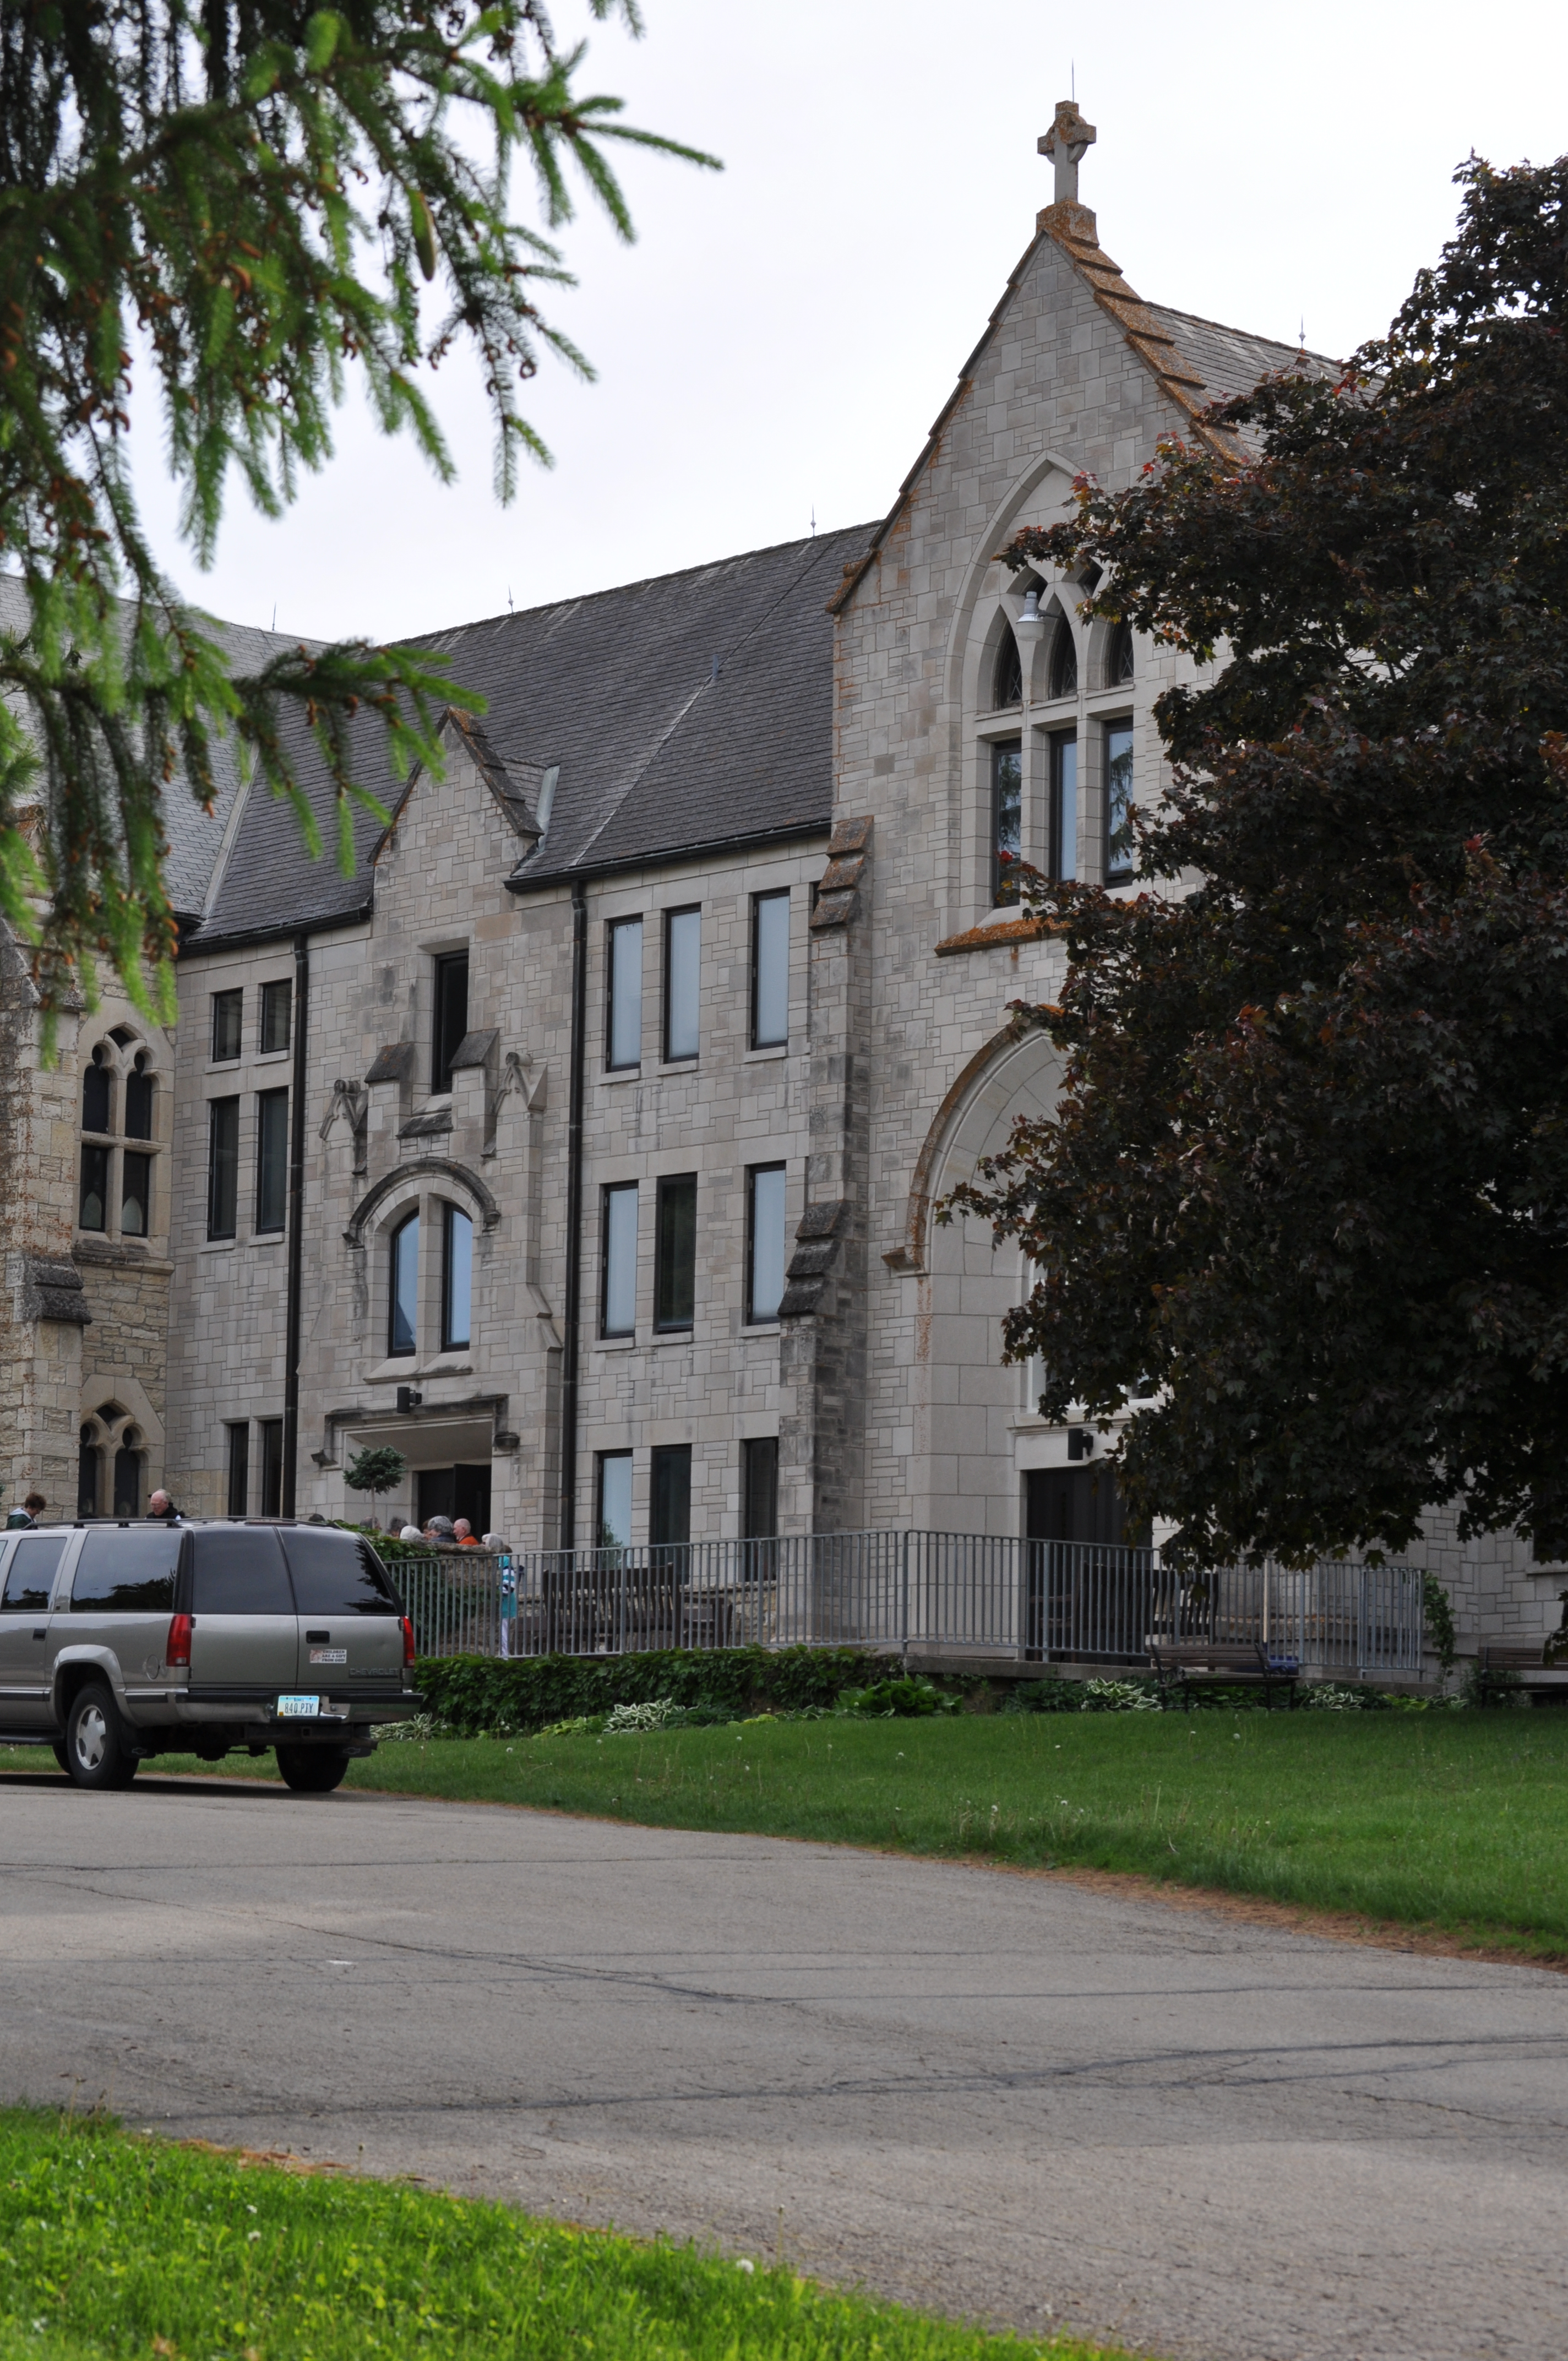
{"type": "Point", "coordinates": [313, 1770]}
{"type": "Point", "coordinates": [97, 1753]}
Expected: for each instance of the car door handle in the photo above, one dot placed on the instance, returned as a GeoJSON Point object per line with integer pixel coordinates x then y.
{"type": "Point", "coordinates": [318, 1635]}
{"type": "Point", "coordinates": [42, 1633]}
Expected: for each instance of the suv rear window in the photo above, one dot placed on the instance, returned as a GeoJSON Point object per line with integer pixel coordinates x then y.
{"type": "Point", "coordinates": [337, 1573]}
{"type": "Point", "coordinates": [238, 1570]}
{"type": "Point", "coordinates": [127, 1570]}
{"type": "Point", "coordinates": [31, 1576]}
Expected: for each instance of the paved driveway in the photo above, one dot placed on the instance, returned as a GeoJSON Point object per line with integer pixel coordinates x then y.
{"type": "Point", "coordinates": [980, 2093]}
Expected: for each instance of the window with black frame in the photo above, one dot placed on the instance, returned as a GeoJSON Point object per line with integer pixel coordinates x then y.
{"type": "Point", "coordinates": [1064, 805]}
{"type": "Point", "coordinates": [238, 1436]}
{"type": "Point", "coordinates": [617, 1260]}
{"type": "Point", "coordinates": [457, 1278]}
{"type": "Point", "coordinates": [765, 1255]}
{"type": "Point", "coordinates": [451, 1019]}
{"type": "Point", "coordinates": [682, 977]}
{"type": "Point", "coordinates": [612, 1503]}
{"type": "Point", "coordinates": [1006, 818]}
{"type": "Point", "coordinates": [674, 1263]}
{"type": "Point", "coordinates": [402, 1289]}
{"type": "Point", "coordinates": [272, 1162]}
{"type": "Point", "coordinates": [228, 1018]}
{"type": "Point", "coordinates": [272, 1466]}
{"type": "Point", "coordinates": [759, 1489]}
{"type": "Point", "coordinates": [223, 1168]}
{"type": "Point", "coordinates": [1062, 675]}
{"type": "Point", "coordinates": [1120, 852]}
{"type": "Point", "coordinates": [1007, 679]}
{"type": "Point", "coordinates": [770, 970]}
{"type": "Point", "coordinates": [277, 1001]}
{"type": "Point", "coordinates": [623, 995]}
{"type": "Point", "coordinates": [670, 1495]}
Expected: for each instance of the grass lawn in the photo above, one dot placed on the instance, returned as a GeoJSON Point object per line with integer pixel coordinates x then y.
{"type": "Point", "coordinates": [117, 2246]}
{"type": "Point", "coordinates": [1456, 1822]}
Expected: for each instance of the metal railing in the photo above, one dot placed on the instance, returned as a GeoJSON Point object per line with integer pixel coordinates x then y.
{"type": "Point", "coordinates": [983, 1594]}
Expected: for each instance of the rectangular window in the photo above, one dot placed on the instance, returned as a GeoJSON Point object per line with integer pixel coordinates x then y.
{"type": "Point", "coordinates": [675, 1266]}
{"type": "Point", "coordinates": [229, 1010]}
{"type": "Point", "coordinates": [1006, 818]}
{"type": "Point", "coordinates": [764, 1242]}
{"type": "Point", "coordinates": [1120, 850]}
{"type": "Point", "coordinates": [276, 1002]}
{"type": "Point", "coordinates": [623, 1029]}
{"type": "Point", "coordinates": [451, 1017]}
{"type": "Point", "coordinates": [770, 970]}
{"type": "Point", "coordinates": [612, 1520]}
{"type": "Point", "coordinates": [759, 1489]}
{"type": "Point", "coordinates": [272, 1159]}
{"type": "Point", "coordinates": [136, 1195]}
{"type": "Point", "coordinates": [670, 1495]}
{"type": "Point", "coordinates": [1064, 805]}
{"type": "Point", "coordinates": [239, 1467]}
{"type": "Point", "coordinates": [618, 1295]}
{"type": "Point", "coordinates": [457, 1278]}
{"type": "Point", "coordinates": [683, 963]}
{"type": "Point", "coordinates": [272, 1466]}
{"type": "Point", "coordinates": [93, 1213]}
{"type": "Point", "coordinates": [223, 1168]}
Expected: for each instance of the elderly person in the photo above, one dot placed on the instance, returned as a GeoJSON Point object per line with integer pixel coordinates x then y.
{"type": "Point", "coordinates": [160, 1506]}
{"type": "Point", "coordinates": [463, 1533]}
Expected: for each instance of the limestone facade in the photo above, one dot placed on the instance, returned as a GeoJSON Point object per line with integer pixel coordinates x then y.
{"type": "Point", "coordinates": [878, 1379]}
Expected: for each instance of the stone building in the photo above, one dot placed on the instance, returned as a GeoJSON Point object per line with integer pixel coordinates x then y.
{"type": "Point", "coordinates": [583, 1143]}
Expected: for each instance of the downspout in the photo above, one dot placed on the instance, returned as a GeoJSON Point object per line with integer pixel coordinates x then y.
{"type": "Point", "coordinates": [571, 1360]}
{"type": "Point", "coordinates": [296, 1225]}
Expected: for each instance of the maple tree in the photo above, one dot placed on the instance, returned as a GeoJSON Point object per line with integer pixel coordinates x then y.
{"type": "Point", "coordinates": [1304, 1210]}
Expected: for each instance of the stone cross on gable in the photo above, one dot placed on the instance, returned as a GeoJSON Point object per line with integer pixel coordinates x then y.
{"type": "Point", "coordinates": [1065, 143]}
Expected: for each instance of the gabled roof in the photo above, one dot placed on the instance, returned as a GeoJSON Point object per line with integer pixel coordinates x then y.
{"type": "Point", "coordinates": [682, 713]}
{"type": "Point", "coordinates": [1194, 361]}
{"type": "Point", "coordinates": [678, 714]}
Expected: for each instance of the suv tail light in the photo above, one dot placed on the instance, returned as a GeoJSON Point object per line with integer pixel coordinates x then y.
{"type": "Point", "coordinates": [177, 1647]}
{"type": "Point", "coordinates": [408, 1641]}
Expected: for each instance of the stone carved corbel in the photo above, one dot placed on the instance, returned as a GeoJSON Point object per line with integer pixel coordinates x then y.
{"type": "Point", "coordinates": [351, 1102]}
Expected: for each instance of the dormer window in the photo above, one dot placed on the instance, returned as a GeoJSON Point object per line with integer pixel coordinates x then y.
{"type": "Point", "coordinates": [1007, 682]}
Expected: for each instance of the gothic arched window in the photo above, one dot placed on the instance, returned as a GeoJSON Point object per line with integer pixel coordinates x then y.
{"type": "Point", "coordinates": [1119, 657]}
{"type": "Point", "coordinates": [1064, 660]}
{"type": "Point", "coordinates": [128, 1474]}
{"type": "Point", "coordinates": [115, 1190]}
{"type": "Point", "coordinates": [1007, 681]}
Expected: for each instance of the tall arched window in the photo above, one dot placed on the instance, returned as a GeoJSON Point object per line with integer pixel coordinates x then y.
{"type": "Point", "coordinates": [402, 1324]}
{"type": "Point", "coordinates": [117, 1175]}
{"type": "Point", "coordinates": [1119, 657]}
{"type": "Point", "coordinates": [1007, 680]}
{"type": "Point", "coordinates": [1064, 660]}
{"type": "Point", "coordinates": [457, 1278]}
{"type": "Point", "coordinates": [128, 1474]}
{"type": "Point", "coordinates": [89, 1472]}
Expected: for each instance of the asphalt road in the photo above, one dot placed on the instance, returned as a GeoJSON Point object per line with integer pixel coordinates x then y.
{"type": "Point", "coordinates": [991, 2095]}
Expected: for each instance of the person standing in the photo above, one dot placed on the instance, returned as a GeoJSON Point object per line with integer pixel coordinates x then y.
{"type": "Point", "coordinates": [162, 1507]}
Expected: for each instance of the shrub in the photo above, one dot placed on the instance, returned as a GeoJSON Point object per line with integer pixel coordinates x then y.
{"type": "Point", "coordinates": [479, 1693]}
{"type": "Point", "coordinates": [908, 1696]}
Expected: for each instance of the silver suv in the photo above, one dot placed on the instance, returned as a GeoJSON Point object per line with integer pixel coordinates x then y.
{"type": "Point", "coordinates": [118, 1642]}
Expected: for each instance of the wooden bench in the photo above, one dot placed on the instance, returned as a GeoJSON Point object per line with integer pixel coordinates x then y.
{"type": "Point", "coordinates": [1222, 1663]}
{"type": "Point", "coordinates": [1522, 1665]}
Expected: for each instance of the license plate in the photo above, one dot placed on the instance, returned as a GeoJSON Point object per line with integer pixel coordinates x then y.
{"type": "Point", "coordinates": [329, 1655]}
{"type": "Point", "coordinates": [299, 1709]}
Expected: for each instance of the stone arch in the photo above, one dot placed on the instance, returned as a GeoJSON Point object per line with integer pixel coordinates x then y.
{"type": "Point", "coordinates": [423, 1168]}
{"type": "Point", "coordinates": [1016, 1072]}
{"type": "Point", "coordinates": [964, 656]}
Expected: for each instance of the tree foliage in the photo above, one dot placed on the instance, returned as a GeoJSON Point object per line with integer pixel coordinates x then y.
{"type": "Point", "coordinates": [378, 1468]}
{"type": "Point", "coordinates": [263, 199]}
{"type": "Point", "coordinates": [1306, 1199]}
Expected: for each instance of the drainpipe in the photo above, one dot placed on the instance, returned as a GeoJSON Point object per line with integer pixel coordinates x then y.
{"type": "Point", "coordinates": [571, 1360]}
{"type": "Point", "coordinates": [296, 1225]}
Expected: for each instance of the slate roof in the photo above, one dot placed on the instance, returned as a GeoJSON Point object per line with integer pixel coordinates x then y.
{"type": "Point", "coordinates": [194, 837]}
{"type": "Point", "coordinates": [657, 756]}
{"type": "Point", "coordinates": [1230, 361]}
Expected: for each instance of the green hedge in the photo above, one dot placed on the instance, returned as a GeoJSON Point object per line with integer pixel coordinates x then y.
{"type": "Point", "coordinates": [475, 1693]}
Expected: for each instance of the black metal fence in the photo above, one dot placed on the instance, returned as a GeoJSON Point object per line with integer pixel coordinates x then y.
{"type": "Point", "coordinates": [983, 1594]}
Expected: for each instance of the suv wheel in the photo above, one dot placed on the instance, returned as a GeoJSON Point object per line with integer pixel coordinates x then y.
{"type": "Point", "coordinates": [313, 1770]}
{"type": "Point", "coordinates": [96, 1754]}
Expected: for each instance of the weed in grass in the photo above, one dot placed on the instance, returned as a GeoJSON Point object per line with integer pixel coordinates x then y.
{"type": "Point", "coordinates": [118, 2248]}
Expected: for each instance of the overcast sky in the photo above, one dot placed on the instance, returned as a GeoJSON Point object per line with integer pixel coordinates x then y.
{"type": "Point", "coordinates": [781, 334]}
